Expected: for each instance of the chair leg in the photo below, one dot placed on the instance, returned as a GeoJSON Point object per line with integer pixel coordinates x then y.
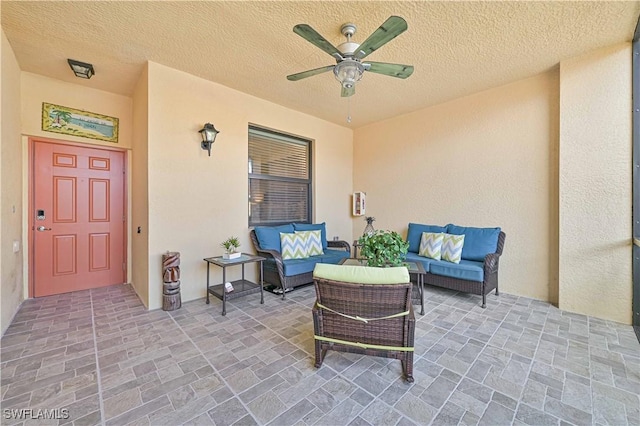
{"type": "Point", "coordinates": [484, 300]}
{"type": "Point", "coordinates": [320, 353]}
{"type": "Point", "coordinates": [407, 368]}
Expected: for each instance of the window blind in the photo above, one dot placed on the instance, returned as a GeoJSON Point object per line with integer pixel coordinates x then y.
{"type": "Point", "coordinates": [279, 178]}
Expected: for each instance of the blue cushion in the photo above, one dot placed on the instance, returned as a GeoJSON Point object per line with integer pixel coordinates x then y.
{"type": "Point", "coordinates": [269, 236]}
{"type": "Point", "coordinates": [415, 233]}
{"type": "Point", "coordinates": [478, 242]}
{"type": "Point", "coordinates": [466, 269]}
{"type": "Point", "coordinates": [334, 256]}
{"type": "Point", "coordinates": [300, 266]}
{"type": "Point", "coordinates": [312, 227]}
{"type": "Point", "coordinates": [415, 257]}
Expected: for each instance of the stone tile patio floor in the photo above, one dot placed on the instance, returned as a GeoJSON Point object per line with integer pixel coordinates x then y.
{"type": "Point", "coordinates": [105, 359]}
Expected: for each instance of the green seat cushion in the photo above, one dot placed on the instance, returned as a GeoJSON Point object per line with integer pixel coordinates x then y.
{"type": "Point", "coordinates": [361, 274]}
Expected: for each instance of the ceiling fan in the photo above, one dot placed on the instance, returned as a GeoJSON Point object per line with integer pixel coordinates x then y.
{"type": "Point", "coordinates": [349, 66]}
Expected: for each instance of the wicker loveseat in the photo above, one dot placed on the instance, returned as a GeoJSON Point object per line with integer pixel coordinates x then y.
{"type": "Point", "coordinates": [364, 310]}
{"type": "Point", "coordinates": [477, 272]}
{"type": "Point", "coordinates": [285, 275]}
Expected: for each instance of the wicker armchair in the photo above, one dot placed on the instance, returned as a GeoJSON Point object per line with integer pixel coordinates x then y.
{"type": "Point", "coordinates": [274, 268]}
{"type": "Point", "coordinates": [368, 319]}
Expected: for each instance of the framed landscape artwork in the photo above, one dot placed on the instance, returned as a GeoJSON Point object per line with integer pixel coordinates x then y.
{"type": "Point", "coordinates": [70, 121]}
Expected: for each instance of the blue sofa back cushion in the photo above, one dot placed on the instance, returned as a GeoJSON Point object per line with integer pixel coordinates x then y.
{"type": "Point", "coordinates": [314, 227]}
{"type": "Point", "coordinates": [478, 242]}
{"type": "Point", "coordinates": [269, 236]}
{"type": "Point", "coordinates": [415, 233]}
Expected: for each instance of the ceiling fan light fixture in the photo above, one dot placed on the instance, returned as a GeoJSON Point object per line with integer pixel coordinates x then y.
{"type": "Point", "coordinates": [348, 72]}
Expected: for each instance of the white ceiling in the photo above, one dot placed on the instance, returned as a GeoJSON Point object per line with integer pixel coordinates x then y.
{"type": "Point", "coordinates": [457, 48]}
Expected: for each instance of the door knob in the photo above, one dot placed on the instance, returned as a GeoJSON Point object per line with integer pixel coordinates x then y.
{"type": "Point", "coordinates": [42, 228]}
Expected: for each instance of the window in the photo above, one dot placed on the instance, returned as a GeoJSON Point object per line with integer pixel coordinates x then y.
{"type": "Point", "coordinates": [279, 178]}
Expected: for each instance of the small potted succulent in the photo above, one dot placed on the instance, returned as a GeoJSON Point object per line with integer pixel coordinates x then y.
{"type": "Point", "coordinates": [383, 248]}
{"type": "Point", "coordinates": [231, 246]}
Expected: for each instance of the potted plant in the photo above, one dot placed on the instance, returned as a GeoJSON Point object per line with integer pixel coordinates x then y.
{"type": "Point", "coordinates": [231, 245]}
{"type": "Point", "coordinates": [383, 248]}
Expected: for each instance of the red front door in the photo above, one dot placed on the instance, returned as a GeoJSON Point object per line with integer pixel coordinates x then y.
{"type": "Point", "coordinates": [78, 218]}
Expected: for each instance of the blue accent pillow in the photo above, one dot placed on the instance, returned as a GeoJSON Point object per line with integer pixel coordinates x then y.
{"type": "Point", "coordinates": [269, 236]}
{"type": "Point", "coordinates": [415, 234]}
{"type": "Point", "coordinates": [314, 227]}
{"type": "Point", "coordinates": [478, 242]}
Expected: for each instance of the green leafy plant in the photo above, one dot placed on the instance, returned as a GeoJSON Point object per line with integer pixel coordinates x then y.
{"type": "Point", "coordinates": [383, 248]}
{"type": "Point", "coordinates": [231, 244]}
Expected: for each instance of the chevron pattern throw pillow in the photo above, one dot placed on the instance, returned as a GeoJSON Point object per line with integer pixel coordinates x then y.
{"type": "Point", "coordinates": [293, 246]}
{"type": "Point", "coordinates": [452, 247]}
{"type": "Point", "coordinates": [314, 242]}
{"type": "Point", "coordinates": [431, 245]}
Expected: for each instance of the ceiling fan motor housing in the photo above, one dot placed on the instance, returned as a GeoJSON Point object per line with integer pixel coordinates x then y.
{"type": "Point", "coordinates": [348, 48]}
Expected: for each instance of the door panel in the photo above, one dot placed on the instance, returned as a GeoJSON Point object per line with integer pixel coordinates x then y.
{"type": "Point", "coordinates": [79, 244]}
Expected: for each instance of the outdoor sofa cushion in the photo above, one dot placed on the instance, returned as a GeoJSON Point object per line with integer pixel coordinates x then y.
{"type": "Point", "coordinates": [269, 236]}
{"type": "Point", "coordinates": [478, 242]}
{"type": "Point", "coordinates": [415, 234]}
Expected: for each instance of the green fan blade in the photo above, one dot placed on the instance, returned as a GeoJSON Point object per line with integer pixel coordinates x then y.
{"type": "Point", "coordinates": [305, 74]}
{"type": "Point", "coordinates": [393, 70]}
{"type": "Point", "coordinates": [313, 37]}
{"type": "Point", "coordinates": [390, 29]}
{"type": "Point", "coordinates": [348, 92]}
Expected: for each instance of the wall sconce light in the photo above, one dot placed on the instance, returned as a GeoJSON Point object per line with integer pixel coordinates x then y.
{"type": "Point", "coordinates": [209, 134]}
{"type": "Point", "coordinates": [81, 69]}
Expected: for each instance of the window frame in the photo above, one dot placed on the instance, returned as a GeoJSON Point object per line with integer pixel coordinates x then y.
{"type": "Point", "coordinates": [283, 136]}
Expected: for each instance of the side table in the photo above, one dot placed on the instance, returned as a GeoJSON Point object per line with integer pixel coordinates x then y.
{"type": "Point", "coordinates": [356, 246]}
{"type": "Point", "coordinates": [241, 287]}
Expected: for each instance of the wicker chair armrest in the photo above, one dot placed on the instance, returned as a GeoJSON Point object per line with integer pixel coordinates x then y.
{"type": "Point", "coordinates": [277, 256]}
{"type": "Point", "coordinates": [339, 244]}
{"type": "Point", "coordinates": [491, 263]}
{"type": "Point", "coordinates": [270, 253]}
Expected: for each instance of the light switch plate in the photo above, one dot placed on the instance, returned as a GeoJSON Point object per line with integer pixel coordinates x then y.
{"type": "Point", "coordinates": [16, 246]}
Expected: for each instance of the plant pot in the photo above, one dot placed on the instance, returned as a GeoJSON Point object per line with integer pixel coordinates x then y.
{"type": "Point", "coordinates": [229, 256]}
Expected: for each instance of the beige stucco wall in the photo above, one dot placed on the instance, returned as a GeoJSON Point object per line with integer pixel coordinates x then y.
{"type": "Point", "coordinates": [489, 159]}
{"type": "Point", "coordinates": [37, 89]}
{"type": "Point", "coordinates": [11, 287]}
{"type": "Point", "coordinates": [196, 201]}
{"type": "Point", "coordinates": [139, 190]}
{"type": "Point", "coordinates": [596, 184]}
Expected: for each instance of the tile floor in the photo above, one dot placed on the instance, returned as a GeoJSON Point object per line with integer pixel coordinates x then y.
{"type": "Point", "coordinates": [98, 357]}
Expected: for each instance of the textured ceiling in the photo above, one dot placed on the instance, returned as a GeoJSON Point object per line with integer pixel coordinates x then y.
{"type": "Point", "coordinates": [457, 48]}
